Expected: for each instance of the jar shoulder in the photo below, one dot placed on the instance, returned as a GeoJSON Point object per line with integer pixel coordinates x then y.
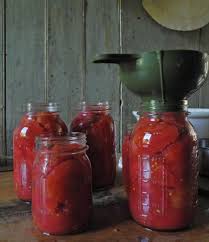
{"type": "Point", "coordinates": [30, 125]}
{"type": "Point", "coordinates": [91, 119]}
{"type": "Point", "coordinates": [156, 136]}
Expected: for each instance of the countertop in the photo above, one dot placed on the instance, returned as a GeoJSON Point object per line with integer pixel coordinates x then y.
{"type": "Point", "coordinates": [111, 221]}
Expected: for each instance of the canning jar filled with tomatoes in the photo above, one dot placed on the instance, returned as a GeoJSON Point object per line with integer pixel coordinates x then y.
{"type": "Point", "coordinates": [62, 185]}
{"type": "Point", "coordinates": [125, 155]}
{"type": "Point", "coordinates": [96, 122]}
{"type": "Point", "coordinates": [163, 166]}
{"type": "Point", "coordinates": [39, 119]}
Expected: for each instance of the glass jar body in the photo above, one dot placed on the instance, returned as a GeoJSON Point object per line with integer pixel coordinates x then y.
{"type": "Point", "coordinates": [163, 166]}
{"type": "Point", "coordinates": [32, 125]}
{"type": "Point", "coordinates": [62, 189]}
{"type": "Point", "coordinates": [96, 122]}
{"type": "Point", "coordinates": [125, 156]}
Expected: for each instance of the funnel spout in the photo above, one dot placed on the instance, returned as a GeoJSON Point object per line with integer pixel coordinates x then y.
{"type": "Point", "coordinates": [115, 58]}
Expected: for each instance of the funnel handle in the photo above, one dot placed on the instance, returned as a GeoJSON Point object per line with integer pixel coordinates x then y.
{"type": "Point", "coordinates": [115, 58]}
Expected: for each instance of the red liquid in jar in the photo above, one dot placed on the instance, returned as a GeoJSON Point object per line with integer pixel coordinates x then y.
{"type": "Point", "coordinates": [62, 195]}
{"type": "Point", "coordinates": [98, 126]}
{"type": "Point", "coordinates": [125, 161]}
{"type": "Point", "coordinates": [163, 172]}
{"type": "Point", "coordinates": [30, 127]}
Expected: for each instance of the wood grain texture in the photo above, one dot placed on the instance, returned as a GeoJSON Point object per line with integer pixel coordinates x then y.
{"type": "Point", "coordinates": [204, 46]}
{"type": "Point", "coordinates": [65, 54]}
{"type": "Point", "coordinates": [25, 58]}
{"type": "Point", "coordinates": [141, 33]}
{"type": "Point", "coordinates": [2, 83]}
{"type": "Point", "coordinates": [50, 46]}
{"type": "Point", "coordinates": [102, 36]}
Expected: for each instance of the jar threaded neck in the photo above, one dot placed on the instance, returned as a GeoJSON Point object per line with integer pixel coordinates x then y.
{"type": "Point", "coordinates": [47, 142]}
{"type": "Point", "coordinates": [159, 106]}
{"type": "Point", "coordinates": [42, 107]}
{"type": "Point", "coordinates": [94, 107]}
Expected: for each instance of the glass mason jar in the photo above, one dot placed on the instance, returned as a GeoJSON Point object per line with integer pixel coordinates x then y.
{"type": "Point", "coordinates": [125, 155]}
{"type": "Point", "coordinates": [62, 185]}
{"type": "Point", "coordinates": [163, 166]}
{"type": "Point", "coordinates": [96, 122]}
{"type": "Point", "coordinates": [39, 119]}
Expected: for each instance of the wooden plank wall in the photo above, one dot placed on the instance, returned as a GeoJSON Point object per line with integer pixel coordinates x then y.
{"type": "Point", "coordinates": [2, 81]}
{"type": "Point", "coordinates": [102, 36]}
{"type": "Point", "coordinates": [47, 47]}
{"type": "Point", "coordinates": [64, 54]}
{"type": "Point", "coordinates": [25, 60]}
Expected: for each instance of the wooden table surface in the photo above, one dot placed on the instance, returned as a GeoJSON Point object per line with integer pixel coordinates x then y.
{"type": "Point", "coordinates": [111, 221]}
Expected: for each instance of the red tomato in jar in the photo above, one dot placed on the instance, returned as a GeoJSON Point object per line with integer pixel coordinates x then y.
{"type": "Point", "coordinates": [125, 160]}
{"type": "Point", "coordinates": [163, 172]}
{"type": "Point", "coordinates": [31, 126]}
{"type": "Point", "coordinates": [62, 198]}
{"type": "Point", "coordinates": [99, 129]}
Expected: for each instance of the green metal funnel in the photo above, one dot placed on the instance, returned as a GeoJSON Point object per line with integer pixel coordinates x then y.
{"type": "Point", "coordinates": [167, 76]}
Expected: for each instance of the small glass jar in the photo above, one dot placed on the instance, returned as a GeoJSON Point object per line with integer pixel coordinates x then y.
{"type": "Point", "coordinates": [62, 185]}
{"type": "Point", "coordinates": [39, 119]}
{"type": "Point", "coordinates": [96, 122]}
{"type": "Point", "coordinates": [163, 166]}
{"type": "Point", "coordinates": [125, 155]}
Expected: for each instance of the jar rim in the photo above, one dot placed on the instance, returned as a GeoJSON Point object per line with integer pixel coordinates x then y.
{"type": "Point", "coordinates": [41, 106]}
{"type": "Point", "coordinates": [155, 105]}
{"type": "Point", "coordinates": [89, 106]}
{"type": "Point", "coordinates": [73, 136]}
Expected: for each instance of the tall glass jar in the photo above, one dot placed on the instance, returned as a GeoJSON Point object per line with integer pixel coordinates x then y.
{"type": "Point", "coordinates": [163, 168]}
{"type": "Point", "coordinates": [39, 119]}
{"type": "Point", "coordinates": [62, 185]}
{"type": "Point", "coordinates": [96, 122]}
{"type": "Point", "coordinates": [125, 155]}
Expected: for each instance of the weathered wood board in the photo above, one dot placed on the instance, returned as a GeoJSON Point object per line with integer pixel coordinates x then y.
{"type": "Point", "coordinates": [2, 83]}
{"type": "Point", "coordinates": [47, 50]}
{"type": "Point", "coordinates": [25, 62]}
{"type": "Point", "coordinates": [102, 36]}
{"type": "Point", "coordinates": [65, 54]}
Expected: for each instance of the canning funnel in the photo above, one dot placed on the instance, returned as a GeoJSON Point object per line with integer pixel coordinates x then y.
{"type": "Point", "coordinates": [165, 76]}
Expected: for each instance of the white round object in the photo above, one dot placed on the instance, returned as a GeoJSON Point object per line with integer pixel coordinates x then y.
{"type": "Point", "coordinates": [183, 15]}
